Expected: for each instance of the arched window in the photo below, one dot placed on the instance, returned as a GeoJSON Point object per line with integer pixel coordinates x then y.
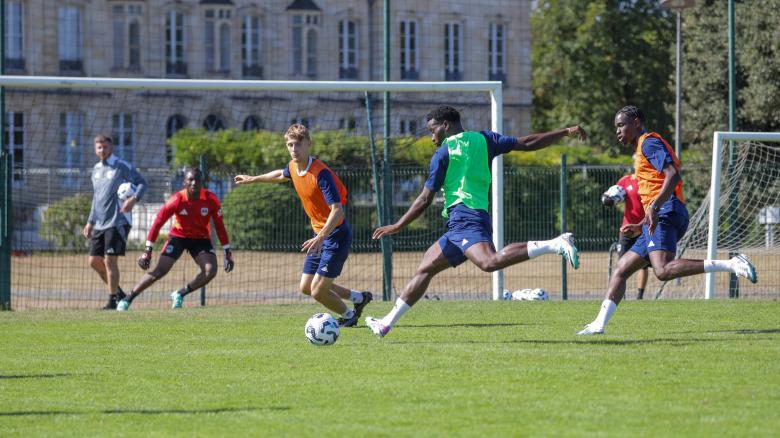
{"type": "Point", "coordinates": [174, 123]}
{"type": "Point", "coordinates": [311, 53]}
{"type": "Point", "coordinates": [253, 123]}
{"type": "Point", "coordinates": [213, 123]}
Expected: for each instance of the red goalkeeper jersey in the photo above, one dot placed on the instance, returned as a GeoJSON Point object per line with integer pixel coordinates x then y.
{"type": "Point", "coordinates": [192, 217]}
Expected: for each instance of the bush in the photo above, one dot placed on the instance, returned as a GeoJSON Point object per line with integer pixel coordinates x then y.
{"type": "Point", "coordinates": [265, 217]}
{"type": "Point", "coordinates": [64, 220]}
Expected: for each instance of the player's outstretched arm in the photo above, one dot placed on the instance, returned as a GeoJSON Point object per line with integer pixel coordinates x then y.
{"type": "Point", "coordinates": [535, 142]}
{"type": "Point", "coordinates": [274, 176]}
{"type": "Point", "coordinates": [415, 210]}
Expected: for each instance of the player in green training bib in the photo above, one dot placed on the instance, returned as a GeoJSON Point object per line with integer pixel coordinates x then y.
{"type": "Point", "coordinates": [460, 167]}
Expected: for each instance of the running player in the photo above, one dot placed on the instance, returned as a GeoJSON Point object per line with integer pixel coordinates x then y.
{"type": "Point", "coordinates": [657, 171]}
{"type": "Point", "coordinates": [461, 167]}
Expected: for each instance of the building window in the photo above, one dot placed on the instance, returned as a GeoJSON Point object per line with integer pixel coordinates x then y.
{"type": "Point", "coordinates": [13, 136]}
{"type": "Point", "coordinates": [251, 47]}
{"type": "Point", "coordinates": [348, 50]}
{"type": "Point", "coordinates": [69, 43]}
{"type": "Point", "coordinates": [453, 52]}
{"type": "Point", "coordinates": [252, 123]}
{"type": "Point", "coordinates": [407, 127]}
{"type": "Point", "coordinates": [213, 123]}
{"type": "Point", "coordinates": [174, 123]}
{"type": "Point", "coordinates": [123, 135]}
{"type": "Point", "coordinates": [71, 146]}
{"type": "Point", "coordinates": [496, 51]}
{"type": "Point", "coordinates": [175, 38]}
{"type": "Point", "coordinates": [348, 124]}
{"type": "Point", "coordinates": [217, 34]}
{"type": "Point", "coordinates": [410, 62]}
{"type": "Point", "coordinates": [14, 36]}
{"type": "Point", "coordinates": [304, 44]}
{"type": "Point", "coordinates": [127, 36]}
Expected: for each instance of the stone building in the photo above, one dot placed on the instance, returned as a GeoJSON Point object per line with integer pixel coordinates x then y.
{"type": "Point", "coordinates": [322, 40]}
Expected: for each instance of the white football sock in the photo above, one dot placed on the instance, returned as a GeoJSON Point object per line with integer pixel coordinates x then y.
{"type": "Point", "coordinates": [396, 313]}
{"type": "Point", "coordinates": [541, 247]}
{"type": "Point", "coordinates": [348, 314]}
{"type": "Point", "coordinates": [605, 313]}
{"type": "Point", "coordinates": [356, 297]}
{"type": "Point", "coordinates": [718, 266]}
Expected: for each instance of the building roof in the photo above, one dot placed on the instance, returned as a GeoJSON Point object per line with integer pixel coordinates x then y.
{"type": "Point", "coordinates": [303, 5]}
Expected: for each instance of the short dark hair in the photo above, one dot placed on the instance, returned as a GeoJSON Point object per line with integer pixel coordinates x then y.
{"type": "Point", "coordinates": [196, 173]}
{"type": "Point", "coordinates": [444, 113]}
{"type": "Point", "coordinates": [633, 112]}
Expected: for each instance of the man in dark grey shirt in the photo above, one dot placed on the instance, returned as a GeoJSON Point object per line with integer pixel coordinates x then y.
{"type": "Point", "coordinates": [107, 226]}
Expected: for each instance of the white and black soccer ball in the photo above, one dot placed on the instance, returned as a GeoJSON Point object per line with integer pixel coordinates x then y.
{"type": "Point", "coordinates": [536, 294]}
{"type": "Point", "coordinates": [322, 329]}
{"type": "Point", "coordinates": [613, 195]}
{"type": "Point", "coordinates": [126, 191]}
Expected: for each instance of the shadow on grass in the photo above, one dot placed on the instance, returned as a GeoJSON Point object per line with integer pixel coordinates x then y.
{"type": "Point", "coordinates": [143, 411]}
{"type": "Point", "coordinates": [749, 331]}
{"type": "Point", "coordinates": [469, 325]}
{"type": "Point", "coordinates": [590, 341]}
{"type": "Point", "coordinates": [34, 376]}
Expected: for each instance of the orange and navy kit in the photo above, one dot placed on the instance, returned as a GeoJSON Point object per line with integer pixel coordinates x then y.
{"type": "Point", "coordinates": [192, 217]}
{"type": "Point", "coordinates": [653, 154]}
{"type": "Point", "coordinates": [319, 188]}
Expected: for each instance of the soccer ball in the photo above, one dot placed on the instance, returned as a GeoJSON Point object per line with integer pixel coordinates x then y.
{"type": "Point", "coordinates": [613, 195]}
{"type": "Point", "coordinates": [126, 191]}
{"type": "Point", "coordinates": [322, 329]}
{"type": "Point", "coordinates": [536, 294]}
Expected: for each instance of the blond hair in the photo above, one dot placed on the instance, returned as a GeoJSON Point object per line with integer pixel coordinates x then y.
{"type": "Point", "coordinates": [298, 132]}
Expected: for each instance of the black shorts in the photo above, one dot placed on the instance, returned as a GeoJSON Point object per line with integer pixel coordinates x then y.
{"type": "Point", "coordinates": [111, 241]}
{"type": "Point", "coordinates": [625, 243]}
{"type": "Point", "coordinates": [174, 246]}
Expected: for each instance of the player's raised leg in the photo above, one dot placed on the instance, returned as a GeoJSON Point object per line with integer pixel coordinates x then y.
{"type": "Point", "coordinates": [486, 258]}
{"type": "Point", "coordinates": [432, 263]}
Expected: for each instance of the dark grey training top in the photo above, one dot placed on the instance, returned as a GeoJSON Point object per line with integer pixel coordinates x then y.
{"type": "Point", "coordinates": [107, 176]}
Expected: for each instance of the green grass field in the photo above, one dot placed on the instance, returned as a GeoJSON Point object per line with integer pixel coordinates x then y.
{"type": "Point", "coordinates": [664, 368]}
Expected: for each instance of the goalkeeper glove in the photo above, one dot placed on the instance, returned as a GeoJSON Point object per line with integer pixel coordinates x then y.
{"type": "Point", "coordinates": [229, 263]}
{"type": "Point", "coordinates": [146, 258]}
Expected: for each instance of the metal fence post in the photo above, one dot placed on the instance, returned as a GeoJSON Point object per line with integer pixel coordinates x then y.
{"type": "Point", "coordinates": [563, 188]}
{"type": "Point", "coordinates": [203, 169]}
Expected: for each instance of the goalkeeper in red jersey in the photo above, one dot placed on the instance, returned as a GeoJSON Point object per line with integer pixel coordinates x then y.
{"type": "Point", "coordinates": [193, 207]}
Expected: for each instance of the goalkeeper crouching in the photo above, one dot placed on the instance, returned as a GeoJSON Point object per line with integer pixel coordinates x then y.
{"type": "Point", "coordinates": [193, 208]}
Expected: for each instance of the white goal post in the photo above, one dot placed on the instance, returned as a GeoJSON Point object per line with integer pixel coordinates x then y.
{"type": "Point", "coordinates": [719, 139]}
{"type": "Point", "coordinates": [494, 88]}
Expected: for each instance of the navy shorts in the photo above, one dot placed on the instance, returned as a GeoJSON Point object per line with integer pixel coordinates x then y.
{"type": "Point", "coordinates": [465, 227]}
{"type": "Point", "coordinates": [335, 250]}
{"type": "Point", "coordinates": [670, 229]}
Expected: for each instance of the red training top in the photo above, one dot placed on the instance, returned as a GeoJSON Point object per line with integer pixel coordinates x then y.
{"type": "Point", "coordinates": [633, 212]}
{"type": "Point", "coordinates": [192, 217]}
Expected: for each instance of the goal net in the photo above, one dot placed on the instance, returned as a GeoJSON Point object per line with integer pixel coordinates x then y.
{"type": "Point", "coordinates": [231, 127]}
{"type": "Point", "coordinates": [740, 214]}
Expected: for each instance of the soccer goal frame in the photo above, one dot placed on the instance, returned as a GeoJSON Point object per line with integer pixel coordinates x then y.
{"type": "Point", "coordinates": [494, 88]}
{"type": "Point", "coordinates": [718, 140]}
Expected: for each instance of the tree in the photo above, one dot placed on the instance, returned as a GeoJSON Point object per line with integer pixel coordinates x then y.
{"type": "Point", "coordinates": [590, 58]}
{"type": "Point", "coordinates": [63, 221]}
{"type": "Point", "coordinates": [705, 70]}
